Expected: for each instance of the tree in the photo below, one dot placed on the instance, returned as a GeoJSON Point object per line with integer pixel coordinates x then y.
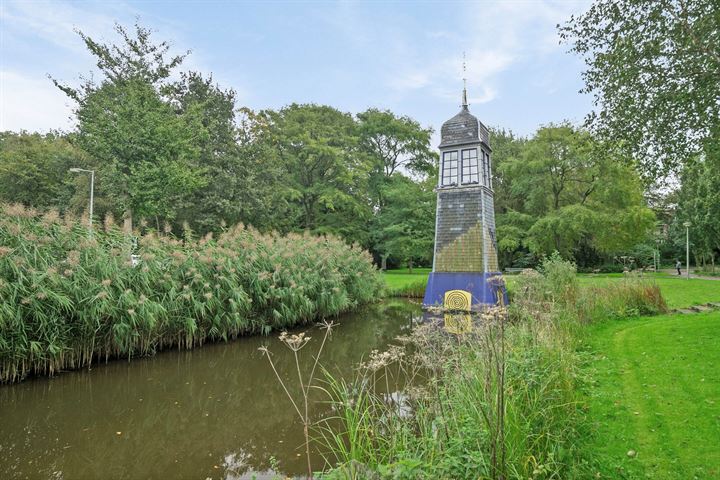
{"type": "Point", "coordinates": [229, 169]}
{"type": "Point", "coordinates": [392, 143]}
{"type": "Point", "coordinates": [571, 196]}
{"type": "Point", "coordinates": [34, 169]}
{"type": "Point", "coordinates": [148, 153]}
{"type": "Point", "coordinates": [405, 229]}
{"type": "Point", "coordinates": [505, 146]}
{"type": "Point", "coordinates": [653, 68]}
{"type": "Point", "coordinates": [699, 204]}
{"type": "Point", "coordinates": [322, 172]}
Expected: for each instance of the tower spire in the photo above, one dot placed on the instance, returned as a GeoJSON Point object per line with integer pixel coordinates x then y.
{"type": "Point", "coordinates": [464, 96]}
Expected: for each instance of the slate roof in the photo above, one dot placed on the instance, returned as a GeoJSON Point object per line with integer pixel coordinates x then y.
{"type": "Point", "coordinates": [462, 129]}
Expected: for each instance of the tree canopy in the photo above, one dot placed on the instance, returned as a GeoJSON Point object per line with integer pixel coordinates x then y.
{"type": "Point", "coordinates": [653, 69]}
{"type": "Point", "coordinates": [173, 148]}
{"type": "Point", "coordinates": [563, 192]}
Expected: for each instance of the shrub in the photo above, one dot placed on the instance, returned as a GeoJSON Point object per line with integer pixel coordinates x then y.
{"type": "Point", "coordinates": [67, 298]}
{"type": "Point", "coordinates": [629, 297]}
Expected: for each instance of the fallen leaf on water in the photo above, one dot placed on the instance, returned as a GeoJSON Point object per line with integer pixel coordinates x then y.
{"type": "Point", "coordinates": [118, 433]}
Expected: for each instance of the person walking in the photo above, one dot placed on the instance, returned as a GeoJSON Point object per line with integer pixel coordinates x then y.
{"type": "Point", "coordinates": [678, 265]}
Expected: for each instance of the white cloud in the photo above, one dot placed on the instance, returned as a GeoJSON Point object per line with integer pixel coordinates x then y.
{"type": "Point", "coordinates": [55, 22]}
{"type": "Point", "coordinates": [32, 104]}
{"type": "Point", "coordinates": [495, 36]}
{"type": "Point", "coordinates": [46, 31]}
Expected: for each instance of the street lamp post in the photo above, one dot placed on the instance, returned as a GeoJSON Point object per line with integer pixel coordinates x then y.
{"type": "Point", "coordinates": [687, 248]}
{"type": "Point", "coordinates": [92, 189]}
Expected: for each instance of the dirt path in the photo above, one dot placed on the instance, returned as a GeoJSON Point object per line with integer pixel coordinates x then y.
{"type": "Point", "coordinates": [673, 273]}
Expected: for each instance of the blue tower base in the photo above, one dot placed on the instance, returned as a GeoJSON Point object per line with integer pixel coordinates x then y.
{"type": "Point", "coordinates": [485, 292]}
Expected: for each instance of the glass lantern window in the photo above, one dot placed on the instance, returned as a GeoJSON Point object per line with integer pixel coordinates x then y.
{"type": "Point", "coordinates": [470, 172]}
{"type": "Point", "coordinates": [450, 168]}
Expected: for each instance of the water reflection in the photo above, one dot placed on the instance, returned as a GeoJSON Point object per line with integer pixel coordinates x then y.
{"type": "Point", "coordinates": [215, 412]}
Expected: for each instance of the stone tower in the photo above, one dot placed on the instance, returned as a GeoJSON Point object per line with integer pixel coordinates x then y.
{"type": "Point", "coordinates": [465, 254]}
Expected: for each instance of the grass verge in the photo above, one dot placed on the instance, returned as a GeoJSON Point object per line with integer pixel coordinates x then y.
{"type": "Point", "coordinates": [499, 396]}
{"type": "Point", "coordinates": [655, 391]}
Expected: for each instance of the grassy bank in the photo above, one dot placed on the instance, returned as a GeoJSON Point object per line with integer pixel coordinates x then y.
{"type": "Point", "coordinates": [678, 291]}
{"type": "Point", "coordinates": [402, 283]}
{"type": "Point", "coordinates": [655, 393]}
{"type": "Point", "coordinates": [67, 298]}
{"type": "Point", "coordinates": [501, 399]}
{"type": "Point", "coordinates": [597, 381]}
{"type": "Point", "coordinates": [684, 294]}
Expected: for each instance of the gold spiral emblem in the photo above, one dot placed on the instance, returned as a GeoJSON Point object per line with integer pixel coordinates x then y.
{"type": "Point", "coordinates": [458, 300]}
{"type": "Point", "coordinates": [458, 324]}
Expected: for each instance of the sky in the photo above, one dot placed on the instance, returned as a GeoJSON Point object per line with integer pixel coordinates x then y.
{"type": "Point", "coordinates": [403, 56]}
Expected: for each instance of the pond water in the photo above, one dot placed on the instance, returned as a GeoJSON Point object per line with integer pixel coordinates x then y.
{"type": "Point", "coordinates": [214, 412]}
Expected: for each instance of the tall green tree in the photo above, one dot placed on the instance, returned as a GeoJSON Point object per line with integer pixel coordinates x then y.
{"type": "Point", "coordinates": [653, 69]}
{"type": "Point", "coordinates": [34, 169]}
{"type": "Point", "coordinates": [393, 143]}
{"type": "Point", "coordinates": [228, 170]}
{"type": "Point", "coordinates": [699, 204]}
{"type": "Point", "coordinates": [573, 197]}
{"type": "Point", "coordinates": [322, 173]}
{"type": "Point", "coordinates": [404, 231]}
{"type": "Point", "coordinates": [147, 151]}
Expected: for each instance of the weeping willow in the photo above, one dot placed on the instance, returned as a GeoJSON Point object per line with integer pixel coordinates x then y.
{"type": "Point", "coordinates": [69, 298]}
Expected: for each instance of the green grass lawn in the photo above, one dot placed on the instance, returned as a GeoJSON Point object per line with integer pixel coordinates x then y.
{"type": "Point", "coordinates": [678, 292]}
{"type": "Point", "coordinates": [653, 383]}
{"type": "Point", "coordinates": [403, 283]}
{"type": "Point", "coordinates": [655, 389]}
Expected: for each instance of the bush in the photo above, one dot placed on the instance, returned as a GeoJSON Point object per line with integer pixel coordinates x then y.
{"type": "Point", "coordinates": [67, 298]}
{"type": "Point", "coordinates": [629, 297]}
{"type": "Point", "coordinates": [604, 268]}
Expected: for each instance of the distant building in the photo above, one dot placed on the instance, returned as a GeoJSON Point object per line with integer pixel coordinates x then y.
{"type": "Point", "coordinates": [465, 255]}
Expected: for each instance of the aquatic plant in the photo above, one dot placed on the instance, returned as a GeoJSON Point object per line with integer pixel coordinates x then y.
{"type": "Point", "coordinates": [296, 343]}
{"type": "Point", "coordinates": [68, 298]}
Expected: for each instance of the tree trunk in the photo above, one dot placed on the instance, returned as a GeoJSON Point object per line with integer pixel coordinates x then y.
{"type": "Point", "coordinates": [383, 262]}
{"type": "Point", "coordinates": [410, 265]}
{"type": "Point", "coordinates": [127, 222]}
{"type": "Point", "coordinates": [712, 261]}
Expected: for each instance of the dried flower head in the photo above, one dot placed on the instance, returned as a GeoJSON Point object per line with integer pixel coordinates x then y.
{"type": "Point", "coordinates": [294, 342]}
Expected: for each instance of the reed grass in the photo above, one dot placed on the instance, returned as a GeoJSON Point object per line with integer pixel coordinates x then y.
{"type": "Point", "coordinates": [68, 298]}
{"type": "Point", "coordinates": [501, 401]}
